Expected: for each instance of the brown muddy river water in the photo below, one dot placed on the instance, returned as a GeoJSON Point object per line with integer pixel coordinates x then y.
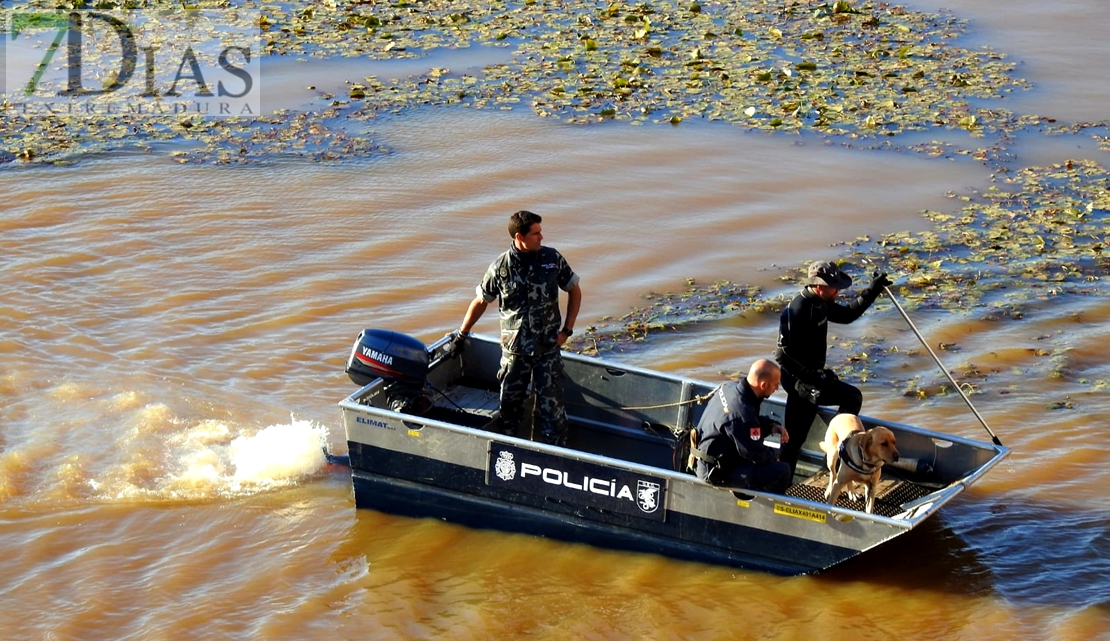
{"type": "Point", "coordinates": [174, 337]}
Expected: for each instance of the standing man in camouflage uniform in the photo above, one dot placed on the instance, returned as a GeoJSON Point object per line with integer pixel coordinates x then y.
{"type": "Point", "coordinates": [526, 281]}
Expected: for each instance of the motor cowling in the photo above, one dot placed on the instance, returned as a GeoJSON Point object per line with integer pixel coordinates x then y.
{"type": "Point", "coordinates": [381, 353]}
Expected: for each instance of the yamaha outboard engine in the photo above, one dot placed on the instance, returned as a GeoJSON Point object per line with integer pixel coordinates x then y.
{"type": "Point", "coordinates": [396, 358]}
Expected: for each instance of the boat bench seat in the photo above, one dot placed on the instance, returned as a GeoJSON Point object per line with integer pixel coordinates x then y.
{"type": "Point", "coordinates": [629, 439]}
{"type": "Point", "coordinates": [469, 399]}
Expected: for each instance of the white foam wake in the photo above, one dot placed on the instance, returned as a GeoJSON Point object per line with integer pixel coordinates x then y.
{"type": "Point", "coordinates": [278, 452]}
{"type": "Point", "coordinates": [213, 458]}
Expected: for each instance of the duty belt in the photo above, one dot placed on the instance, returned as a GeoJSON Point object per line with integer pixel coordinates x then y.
{"type": "Point", "coordinates": [694, 451]}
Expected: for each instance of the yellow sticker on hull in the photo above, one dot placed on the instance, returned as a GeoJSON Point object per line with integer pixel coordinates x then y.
{"type": "Point", "coordinates": [800, 513]}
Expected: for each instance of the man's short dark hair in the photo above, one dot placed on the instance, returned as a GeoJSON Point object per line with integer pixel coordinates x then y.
{"type": "Point", "coordinates": [521, 222]}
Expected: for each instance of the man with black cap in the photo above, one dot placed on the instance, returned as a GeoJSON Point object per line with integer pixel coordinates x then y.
{"type": "Point", "coordinates": [803, 335]}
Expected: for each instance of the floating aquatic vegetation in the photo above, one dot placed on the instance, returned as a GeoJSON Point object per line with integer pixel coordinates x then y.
{"type": "Point", "coordinates": [844, 70]}
{"type": "Point", "coordinates": [668, 312]}
{"type": "Point", "coordinates": [284, 134]}
{"type": "Point", "coordinates": [1045, 227]}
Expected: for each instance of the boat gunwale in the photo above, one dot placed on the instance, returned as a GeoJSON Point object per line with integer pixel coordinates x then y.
{"type": "Point", "coordinates": [680, 477]}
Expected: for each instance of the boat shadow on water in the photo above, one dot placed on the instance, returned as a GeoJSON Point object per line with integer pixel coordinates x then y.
{"type": "Point", "coordinates": [931, 557]}
{"type": "Point", "coordinates": [1026, 552]}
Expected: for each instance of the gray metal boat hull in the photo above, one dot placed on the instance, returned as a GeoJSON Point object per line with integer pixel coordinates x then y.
{"type": "Point", "coordinates": [618, 483]}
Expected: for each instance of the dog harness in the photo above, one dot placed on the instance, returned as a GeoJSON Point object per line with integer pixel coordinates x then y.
{"type": "Point", "coordinates": [862, 466]}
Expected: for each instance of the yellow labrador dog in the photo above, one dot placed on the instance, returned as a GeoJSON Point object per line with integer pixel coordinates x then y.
{"type": "Point", "coordinates": [856, 456]}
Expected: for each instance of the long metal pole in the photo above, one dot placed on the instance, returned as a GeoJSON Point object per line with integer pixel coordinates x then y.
{"type": "Point", "coordinates": [940, 364]}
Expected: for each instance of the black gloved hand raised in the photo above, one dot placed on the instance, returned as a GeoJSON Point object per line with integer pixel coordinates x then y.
{"type": "Point", "coordinates": [879, 280]}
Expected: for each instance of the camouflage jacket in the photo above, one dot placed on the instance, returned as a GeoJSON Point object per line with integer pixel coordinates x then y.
{"type": "Point", "coordinates": [527, 286]}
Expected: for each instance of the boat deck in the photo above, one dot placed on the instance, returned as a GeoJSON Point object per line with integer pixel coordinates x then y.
{"type": "Point", "coordinates": [893, 493]}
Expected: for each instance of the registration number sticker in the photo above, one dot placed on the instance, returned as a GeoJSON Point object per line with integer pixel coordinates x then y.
{"type": "Point", "coordinates": [800, 513]}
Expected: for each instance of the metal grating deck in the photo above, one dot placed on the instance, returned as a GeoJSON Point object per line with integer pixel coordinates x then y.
{"type": "Point", "coordinates": [893, 493]}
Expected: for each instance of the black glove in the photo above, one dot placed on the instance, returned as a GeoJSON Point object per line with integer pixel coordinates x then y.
{"type": "Point", "coordinates": [879, 280]}
{"type": "Point", "coordinates": [458, 339]}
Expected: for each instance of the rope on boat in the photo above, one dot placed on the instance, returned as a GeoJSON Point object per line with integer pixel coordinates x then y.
{"type": "Point", "coordinates": [697, 399]}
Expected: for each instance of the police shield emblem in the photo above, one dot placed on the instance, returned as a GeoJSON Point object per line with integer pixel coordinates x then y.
{"type": "Point", "coordinates": [647, 496]}
{"type": "Point", "coordinates": [755, 433]}
{"type": "Point", "coordinates": [505, 468]}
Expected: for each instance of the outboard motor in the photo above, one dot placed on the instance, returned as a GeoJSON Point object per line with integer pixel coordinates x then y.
{"type": "Point", "coordinates": [396, 358]}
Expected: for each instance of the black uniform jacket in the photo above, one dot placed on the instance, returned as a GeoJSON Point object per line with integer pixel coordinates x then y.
{"type": "Point", "coordinates": [731, 428]}
{"type": "Point", "coordinates": [804, 329]}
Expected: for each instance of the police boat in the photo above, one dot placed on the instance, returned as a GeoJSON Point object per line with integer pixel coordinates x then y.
{"type": "Point", "coordinates": [424, 440]}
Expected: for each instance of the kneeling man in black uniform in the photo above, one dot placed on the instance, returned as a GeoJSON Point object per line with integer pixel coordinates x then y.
{"type": "Point", "coordinates": [730, 449]}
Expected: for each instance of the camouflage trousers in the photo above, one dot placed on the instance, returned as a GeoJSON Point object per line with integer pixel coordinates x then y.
{"type": "Point", "coordinates": [545, 374]}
